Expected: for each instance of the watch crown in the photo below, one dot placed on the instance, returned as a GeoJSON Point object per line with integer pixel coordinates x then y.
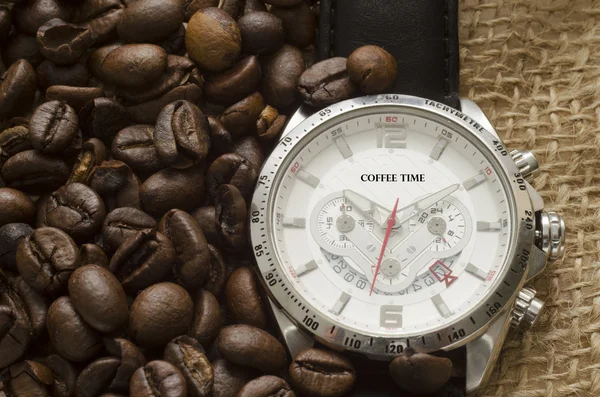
{"type": "Point", "coordinates": [526, 163]}
{"type": "Point", "coordinates": [527, 309]}
{"type": "Point", "coordinates": [551, 234]}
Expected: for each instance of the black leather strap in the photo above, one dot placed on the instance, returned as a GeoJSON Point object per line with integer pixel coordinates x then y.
{"type": "Point", "coordinates": [421, 34]}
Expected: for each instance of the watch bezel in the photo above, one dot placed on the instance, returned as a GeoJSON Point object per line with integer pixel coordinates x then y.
{"type": "Point", "coordinates": [465, 328]}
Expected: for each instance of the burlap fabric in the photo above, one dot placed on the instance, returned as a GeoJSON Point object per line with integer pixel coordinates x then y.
{"type": "Point", "coordinates": [534, 67]}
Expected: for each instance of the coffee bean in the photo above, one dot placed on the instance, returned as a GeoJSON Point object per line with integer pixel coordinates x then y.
{"type": "Point", "coordinates": [158, 378]}
{"type": "Point", "coordinates": [217, 273]}
{"type": "Point", "coordinates": [299, 24]}
{"type": "Point", "coordinates": [64, 375]}
{"type": "Point", "coordinates": [229, 378]}
{"type": "Point", "coordinates": [77, 210]}
{"type": "Point", "coordinates": [76, 97]}
{"type": "Point", "coordinates": [134, 65]}
{"type": "Point", "coordinates": [172, 188]}
{"type": "Point", "coordinates": [188, 356]}
{"type": "Point", "coordinates": [219, 136]}
{"type": "Point", "coordinates": [63, 43]}
{"type": "Point", "coordinates": [14, 140]}
{"type": "Point", "coordinates": [270, 124]}
{"type": "Point", "coordinates": [181, 135]}
{"type": "Point", "coordinates": [5, 23]}
{"type": "Point", "coordinates": [157, 305]}
{"type": "Point", "coordinates": [95, 377]}
{"type": "Point", "coordinates": [213, 39]}
{"type": "Point", "coordinates": [150, 21]}
{"type": "Point", "coordinates": [192, 6]}
{"type": "Point", "coordinates": [207, 319]}
{"type": "Point", "coordinates": [175, 44]}
{"type": "Point", "coordinates": [281, 72]}
{"type": "Point", "coordinates": [147, 112]}
{"type": "Point", "coordinates": [420, 373]}
{"type": "Point", "coordinates": [96, 59]}
{"type": "Point", "coordinates": [131, 358]}
{"type": "Point", "coordinates": [103, 118]}
{"type": "Point", "coordinates": [243, 299]}
{"type": "Point", "coordinates": [29, 378]}
{"type": "Point", "coordinates": [99, 298]}
{"type": "Point", "coordinates": [109, 177]}
{"type": "Point", "coordinates": [128, 195]}
{"type": "Point", "coordinates": [262, 32]}
{"type": "Point", "coordinates": [100, 17]}
{"type": "Point", "coordinates": [93, 153]}
{"type": "Point", "coordinates": [372, 68]}
{"type": "Point", "coordinates": [17, 90]}
{"type": "Point", "coordinates": [28, 16]}
{"type": "Point", "coordinates": [34, 173]}
{"type": "Point", "coordinates": [205, 216]}
{"type": "Point", "coordinates": [250, 148]}
{"type": "Point", "coordinates": [91, 254]}
{"type": "Point", "coordinates": [232, 7]}
{"type": "Point", "coordinates": [49, 74]}
{"type": "Point", "coordinates": [53, 127]}
{"type": "Point", "coordinates": [70, 335]}
{"type": "Point", "coordinates": [233, 169]}
{"type": "Point", "coordinates": [134, 146]}
{"type": "Point", "coordinates": [234, 84]}
{"type": "Point", "coordinates": [193, 257]}
{"type": "Point", "coordinates": [11, 236]}
{"type": "Point", "coordinates": [267, 386]}
{"type": "Point", "coordinates": [323, 373]}
{"type": "Point", "coordinates": [326, 82]}
{"type": "Point", "coordinates": [21, 46]}
{"type": "Point", "coordinates": [283, 3]}
{"type": "Point", "coordinates": [240, 118]}
{"type": "Point", "coordinates": [122, 223]}
{"type": "Point", "coordinates": [143, 259]}
{"type": "Point", "coordinates": [251, 347]}
{"type": "Point", "coordinates": [230, 210]}
{"type": "Point", "coordinates": [16, 207]}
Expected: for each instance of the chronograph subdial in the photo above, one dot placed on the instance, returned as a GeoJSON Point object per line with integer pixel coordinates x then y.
{"type": "Point", "coordinates": [336, 216]}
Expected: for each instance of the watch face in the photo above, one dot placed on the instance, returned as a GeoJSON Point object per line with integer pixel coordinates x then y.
{"type": "Point", "coordinates": [384, 220]}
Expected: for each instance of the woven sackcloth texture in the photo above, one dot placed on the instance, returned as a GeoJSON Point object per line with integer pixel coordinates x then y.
{"type": "Point", "coordinates": [534, 67]}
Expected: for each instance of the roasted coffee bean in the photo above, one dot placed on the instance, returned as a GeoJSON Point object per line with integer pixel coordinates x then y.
{"type": "Point", "coordinates": [134, 146]}
{"type": "Point", "coordinates": [53, 127]}
{"type": "Point", "coordinates": [46, 259]}
{"type": "Point", "coordinates": [233, 169]}
{"type": "Point", "coordinates": [11, 236]}
{"type": "Point", "coordinates": [147, 112]}
{"type": "Point", "coordinates": [420, 373]}
{"type": "Point", "coordinates": [103, 118]}
{"type": "Point", "coordinates": [28, 16]}
{"type": "Point", "coordinates": [283, 3]}
{"type": "Point", "coordinates": [254, 6]}
{"type": "Point", "coordinates": [99, 298]}
{"type": "Point", "coordinates": [234, 84]}
{"type": "Point", "coordinates": [250, 148]}
{"type": "Point", "coordinates": [230, 211]}
{"type": "Point", "coordinates": [109, 177]}
{"type": "Point", "coordinates": [49, 74]}
{"type": "Point", "coordinates": [70, 335]}
{"type": "Point", "coordinates": [219, 136]}
{"type": "Point", "coordinates": [77, 210]}
{"type": "Point", "coordinates": [175, 44]}
{"type": "Point", "coordinates": [122, 223]}
{"type": "Point", "coordinates": [17, 90]}
{"type": "Point", "coordinates": [131, 359]}
{"type": "Point", "coordinates": [270, 124]}
{"type": "Point", "coordinates": [372, 68]}
{"type": "Point", "coordinates": [21, 46]}
{"type": "Point", "coordinates": [193, 257]}
{"type": "Point", "coordinates": [63, 43]}
{"type": "Point", "coordinates": [207, 318]}
{"type": "Point", "coordinates": [34, 172]}
{"type": "Point", "coordinates": [16, 207]}
{"type": "Point", "coordinates": [205, 216]}
{"type": "Point", "coordinates": [172, 188]}
{"type": "Point", "coordinates": [143, 259]}
{"type": "Point", "coordinates": [29, 378]}
{"type": "Point", "coordinates": [243, 299]}
{"type": "Point", "coordinates": [262, 32]}
{"type": "Point", "coordinates": [320, 372]}
{"type": "Point", "coordinates": [229, 378]}
{"type": "Point", "coordinates": [326, 82]}
{"type": "Point", "coordinates": [232, 7]}
{"type": "Point", "coordinates": [64, 375]}
{"type": "Point", "coordinates": [14, 140]}
{"type": "Point", "coordinates": [100, 17]}
{"type": "Point", "coordinates": [192, 6]}
{"type": "Point", "coordinates": [5, 23]}
{"type": "Point", "coordinates": [251, 347]}
{"type": "Point", "coordinates": [213, 39]}
{"type": "Point", "coordinates": [92, 254]}
{"type": "Point", "coordinates": [240, 118]}
{"type": "Point", "coordinates": [217, 273]}
{"type": "Point", "coordinates": [96, 59]}
{"type": "Point", "coordinates": [299, 24]}
{"type": "Point", "coordinates": [281, 72]}
{"type": "Point", "coordinates": [158, 378]}
{"type": "Point", "coordinates": [181, 135]}
{"type": "Point", "coordinates": [128, 195]}
{"type": "Point", "coordinates": [76, 97]}
{"type": "Point", "coordinates": [93, 153]}
{"type": "Point", "coordinates": [134, 65]}
{"type": "Point", "coordinates": [267, 386]}
{"type": "Point", "coordinates": [150, 21]}
{"type": "Point", "coordinates": [157, 305]}
{"type": "Point", "coordinates": [188, 356]}
{"type": "Point", "coordinates": [95, 377]}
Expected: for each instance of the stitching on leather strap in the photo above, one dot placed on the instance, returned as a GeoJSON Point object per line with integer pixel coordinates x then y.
{"type": "Point", "coordinates": [446, 50]}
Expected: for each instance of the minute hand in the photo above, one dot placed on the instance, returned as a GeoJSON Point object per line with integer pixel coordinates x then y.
{"type": "Point", "coordinates": [427, 201]}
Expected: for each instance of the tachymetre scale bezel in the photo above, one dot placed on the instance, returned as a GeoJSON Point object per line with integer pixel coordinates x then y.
{"type": "Point", "coordinates": [467, 327]}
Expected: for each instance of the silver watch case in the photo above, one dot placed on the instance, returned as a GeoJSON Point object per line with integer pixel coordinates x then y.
{"type": "Point", "coordinates": [334, 334]}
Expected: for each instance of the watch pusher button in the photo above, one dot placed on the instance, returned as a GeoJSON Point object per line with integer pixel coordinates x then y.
{"type": "Point", "coordinates": [526, 162]}
{"type": "Point", "coordinates": [527, 309]}
{"type": "Point", "coordinates": [550, 234]}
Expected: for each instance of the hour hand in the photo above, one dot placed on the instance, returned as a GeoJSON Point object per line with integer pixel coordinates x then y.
{"type": "Point", "coordinates": [369, 208]}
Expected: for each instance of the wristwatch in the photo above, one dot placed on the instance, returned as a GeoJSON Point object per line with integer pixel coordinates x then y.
{"type": "Point", "coordinates": [400, 222]}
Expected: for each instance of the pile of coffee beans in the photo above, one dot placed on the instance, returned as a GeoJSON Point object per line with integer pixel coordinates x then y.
{"type": "Point", "coordinates": [132, 133]}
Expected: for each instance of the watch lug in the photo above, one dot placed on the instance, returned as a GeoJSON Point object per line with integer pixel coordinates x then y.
{"type": "Point", "coordinates": [473, 110]}
{"type": "Point", "coordinates": [483, 352]}
{"type": "Point", "coordinates": [536, 200]}
{"type": "Point", "coordinates": [295, 339]}
{"type": "Point", "coordinates": [301, 114]}
{"type": "Point", "coordinates": [537, 263]}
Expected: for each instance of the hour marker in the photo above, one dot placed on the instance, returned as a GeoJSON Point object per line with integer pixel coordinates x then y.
{"type": "Point", "coordinates": [485, 226]}
{"type": "Point", "coordinates": [306, 267]}
{"type": "Point", "coordinates": [343, 147]}
{"type": "Point", "coordinates": [441, 306]}
{"type": "Point", "coordinates": [390, 316]}
{"type": "Point", "coordinates": [391, 139]}
{"type": "Point", "coordinates": [477, 272]}
{"type": "Point", "coordinates": [340, 303]}
{"type": "Point", "coordinates": [294, 222]}
{"type": "Point", "coordinates": [308, 178]}
{"type": "Point", "coordinates": [438, 149]}
{"type": "Point", "coordinates": [474, 181]}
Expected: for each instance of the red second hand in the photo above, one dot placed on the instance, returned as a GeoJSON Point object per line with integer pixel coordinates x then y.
{"type": "Point", "coordinates": [388, 231]}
